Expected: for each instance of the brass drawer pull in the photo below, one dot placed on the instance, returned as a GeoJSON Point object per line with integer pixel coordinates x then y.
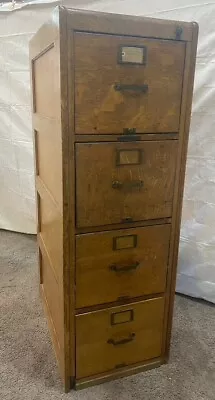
{"type": "Point", "coordinates": [120, 87]}
{"type": "Point", "coordinates": [127, 185]}
{"type": "Point", "coordinates": [124, 268]}
{"type": "Point", "coordinates": [122, 341]}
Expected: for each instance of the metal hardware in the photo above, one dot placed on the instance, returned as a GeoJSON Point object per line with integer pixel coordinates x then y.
{"type": "Point", "coordinates": [120, 87]}
{"type": "Point", "coordinates": [128, 316]}
{"type": "Point", "coordinates": [124, 268]}
{"type": "Point", "coordinates": [128, 138]}
{"type": "Point", "coordinates": [178, 32]}
{"type": "Point", "coordinates": [127, 219]}
{"type": "Point", "coordinates": [118, 242]}
{"type": "Point", "coordinates": [136, 55]}
{"type": "Point", "coordinates": [117, 185]}
{"type": "Point", "coordinates": [122, 341]}
{"type": "Point", "coordinates": [129, 131]}
{"type": "Point", "coordinates": [127, 185]}
{"type": "Point", "coordinates": [129, 134]}
{"type": "Point", "coordinates": [129, 158]}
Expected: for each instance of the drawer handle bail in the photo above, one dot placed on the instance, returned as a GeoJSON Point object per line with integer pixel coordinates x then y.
{"type": "Point", "coordinates": [120, 87]}
{"type": "Point", "coordinates": [124, 268]}
{"type": "Point", "coordinates": [122, 341]}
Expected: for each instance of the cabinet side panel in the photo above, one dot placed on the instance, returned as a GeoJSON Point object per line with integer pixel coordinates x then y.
{"type": "Point", "coordinates": [189, 70]}
{"type": "Point", "coordinates": [46, 89]}
{"type": "Point", "coordinates": [48, 127]}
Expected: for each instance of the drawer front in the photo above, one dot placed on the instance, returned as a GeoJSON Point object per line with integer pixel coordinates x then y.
{"type": "Point", "coordinates": [124, 182]}
{"type": "Point", "coordinates": [127, 82]}
{"type": "Point", "coordinates": [118, 336]}
{"type": "Point", "coordinates": [121, 264]}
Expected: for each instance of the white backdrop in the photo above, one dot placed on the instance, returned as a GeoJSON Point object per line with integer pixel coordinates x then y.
{"type": "Point", "coordinates": [196, 275]}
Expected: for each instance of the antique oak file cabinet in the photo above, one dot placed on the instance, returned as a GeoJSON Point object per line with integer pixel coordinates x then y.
{"type": "Point", "coordinates": [111, 111]}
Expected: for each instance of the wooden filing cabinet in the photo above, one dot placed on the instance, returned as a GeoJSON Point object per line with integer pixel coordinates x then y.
{"type": "Point", "coordinates": [111, 101]}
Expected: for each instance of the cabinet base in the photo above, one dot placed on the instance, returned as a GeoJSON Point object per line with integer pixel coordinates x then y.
{"type": "Point", "coordinates": [123, 372]}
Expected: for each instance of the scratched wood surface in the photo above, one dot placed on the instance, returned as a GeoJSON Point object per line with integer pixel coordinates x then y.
{"type": "Point", "coordinates": [99, 108]}
{"type": "Point", "coordinates": [98, 203]}
{"type": "Point", "coordinates": [49, 132]}
{"type": "Point", "coordinates": [108, 210]}
{"type": "Point", "coordinates": [50, 228]}
{"type": "Point", "coordinates": [140, 329]}
{"type": "Point", "coordinates": [121, 264]}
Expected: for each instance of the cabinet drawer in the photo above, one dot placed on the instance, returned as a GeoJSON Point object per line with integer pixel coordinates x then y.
{"type": "Point", "coordinates": [127, 82]}
{"type": "Point", "coordinates": [124, 182]}
{"type": "Point", "coordinates": [121, 264]}
{"type": "Point", "coordinates": [118, 336]}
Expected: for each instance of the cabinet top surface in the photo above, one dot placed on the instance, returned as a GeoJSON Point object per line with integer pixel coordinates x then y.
{"type": "Point", "coordinates": [118, 24]}
{"type": "Point", "coordinates": [129, 24]}
{"type": "Point", "coordinates": [121, 16]}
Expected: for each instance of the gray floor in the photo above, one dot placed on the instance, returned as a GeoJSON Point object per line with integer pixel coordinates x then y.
{"type": "Point", "coordinates": [27, 365]}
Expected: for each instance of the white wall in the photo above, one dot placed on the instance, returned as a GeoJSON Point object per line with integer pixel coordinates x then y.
{"type": "Point", "coordinates": [17, 204]}
{"type": "Point", "coordinates": [17, 197]}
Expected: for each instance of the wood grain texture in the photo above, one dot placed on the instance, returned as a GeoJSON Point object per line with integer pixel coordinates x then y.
{"type": "Point", "coordinates": [46, 105]}
{"type": "Point", "coordinates": [53, 294]}
{"type": "Point", "coordinates": [59, 353]}
{"type": "Point", "coordinates": [97, 193]}
{"type": "Point", "coordinates": [189, 72]}
{"type": "Point", "coordinates": [118, 373]}
{"type": "Point", "coordinates": [69, 182]}
{"type": "Point", "coordinates": [119, 138]}
{"type": "Point", "coordinates": [99, 108]}
{"type": "Point", "coordinates": [128, 25]}
{"type": "Point", "coordinates": [51, 233]}
{"type": "Point", "coordinates": [96, 258]}
{"type": "Point", "coordinates": [98, 203]}
{"type": "Point", "coordinates": [121, 302]}
{"type": "Point", "coordinates": [46, 85]}
{"type": "Point", "coordinates": [52, 156]}
{"type": "Point", "coordinates": [101, 345]}
{"type": "Point", "coordinates": [49, 124]}
{"type": "Point", "coordinates": [132, 224]}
